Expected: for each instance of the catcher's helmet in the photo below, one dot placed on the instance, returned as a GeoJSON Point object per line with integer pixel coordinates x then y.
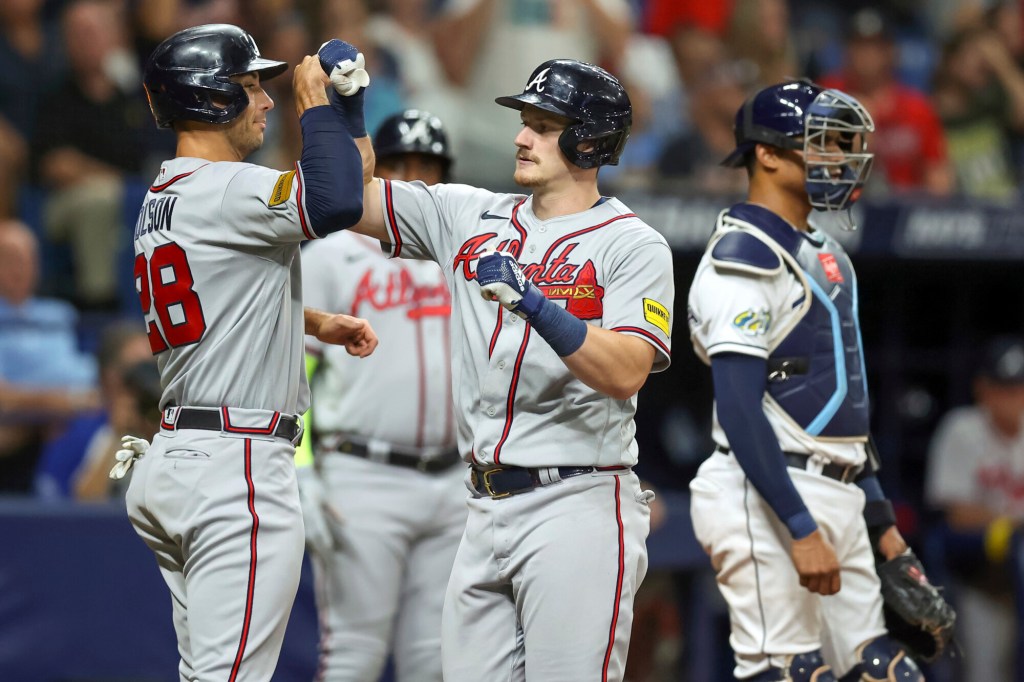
{"type": "Point", "coordinates": [589, 95]}
{"type": "Point", "coordinates": [413, 132]}
{"type": "Point", "coordinates": [192, 68]}
{"type": "Point", "coordinates": [828, 126]}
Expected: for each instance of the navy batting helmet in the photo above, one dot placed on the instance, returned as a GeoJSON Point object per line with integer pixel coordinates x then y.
{"type": "Point", "coordinates": [188, 76]}
{"type": "Point", "coordinates": [828, 126]}
{"type": "Point", "coordinates": [588, 95]}
{"type": "Point", "coordinates": [413, 132]}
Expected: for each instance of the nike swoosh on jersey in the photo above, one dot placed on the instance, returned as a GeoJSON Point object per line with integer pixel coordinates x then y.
{"type": "Point", "coordinates": [487, 215]}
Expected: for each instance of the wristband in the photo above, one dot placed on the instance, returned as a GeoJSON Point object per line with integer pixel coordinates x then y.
{"type": "Point", "coordinates": [350, 110]}
{"type": "Point", "coordinates": [563, 331]}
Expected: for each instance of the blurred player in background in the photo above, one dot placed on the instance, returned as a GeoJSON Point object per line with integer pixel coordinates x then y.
{"type": "Point", "coordinates": [773, 310]}
{"type": "Point", "coordinates": [383, 495]}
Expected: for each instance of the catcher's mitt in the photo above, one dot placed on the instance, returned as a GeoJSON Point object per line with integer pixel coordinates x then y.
{"type": "Point", "coordinates": [915, 612]}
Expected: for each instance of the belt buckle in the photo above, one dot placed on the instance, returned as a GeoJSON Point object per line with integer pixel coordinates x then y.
{"type": "Point", "coordinates": [487, 473]}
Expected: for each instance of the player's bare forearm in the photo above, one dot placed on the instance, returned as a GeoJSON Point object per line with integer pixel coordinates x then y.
{"type": "Point", "coordinates": [372, 223]}
{"type": "Point", "coordinates": [614, 364]}
{"type": "Point", "coordinates": [354, 333]}
{"type": "Point", "coordinates": [309, 83]}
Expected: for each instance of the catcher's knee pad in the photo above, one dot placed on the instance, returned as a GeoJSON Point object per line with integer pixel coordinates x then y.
{"type": "Point", "coordinates": [883, 660]}
{"type": "Point", "coordinates": [809, 667]}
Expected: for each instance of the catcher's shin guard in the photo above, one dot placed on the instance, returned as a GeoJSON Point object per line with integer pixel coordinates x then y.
{"type": "Point", "coordinates": [883, 660]}
{"type": "Point", "coordinates": [809, 667]}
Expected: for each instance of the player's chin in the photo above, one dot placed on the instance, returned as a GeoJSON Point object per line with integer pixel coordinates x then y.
{"type": "Point", "coordinates": [525, 178]}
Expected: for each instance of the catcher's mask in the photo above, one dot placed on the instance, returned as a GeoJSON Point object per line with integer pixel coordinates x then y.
{"type": "Point", "coordinates": [828, 126]}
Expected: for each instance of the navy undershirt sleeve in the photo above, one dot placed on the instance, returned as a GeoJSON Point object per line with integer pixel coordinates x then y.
{"type": "Point", "coordinates": [872, 489]}
{"type": "Point", "coordinates": [740, 382]}
{"type": "Point", "coordinates": [332, 172]}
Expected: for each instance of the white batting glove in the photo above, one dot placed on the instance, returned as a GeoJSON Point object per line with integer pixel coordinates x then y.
{"type": "Point", "coordinates": [322, 520]}
{"type": "Point", "coordinates": [131, 449]}
{"type": "Point", "coordinates": [345, 66]}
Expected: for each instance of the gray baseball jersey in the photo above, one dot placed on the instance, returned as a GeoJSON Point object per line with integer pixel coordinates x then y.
{"type": "Point", "coordinates": [382, 588]}
{"type": "Point", "coordinates": [522, 558]}
{"type": "Point", "coordinates": [217, 271]}
{"type": "Point", "coordinates": [408, 304]}
{"type": "Point", "coordinates": [517, 403]}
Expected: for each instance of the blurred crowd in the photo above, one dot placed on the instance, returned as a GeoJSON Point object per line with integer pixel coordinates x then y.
{"type": "Point", "coordinates": [943, 79]}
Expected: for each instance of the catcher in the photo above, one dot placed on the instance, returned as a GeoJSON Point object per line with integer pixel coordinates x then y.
{"type": "Point", "coordinates": [773, 310]}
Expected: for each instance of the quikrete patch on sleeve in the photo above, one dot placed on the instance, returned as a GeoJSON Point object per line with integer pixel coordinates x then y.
{"type": "Point", "coordinates": [282, 189]}
{"type": "Point", "coordinates": [657, 314]}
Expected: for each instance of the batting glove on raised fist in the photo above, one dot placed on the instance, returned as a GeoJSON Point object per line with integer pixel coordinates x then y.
{"type": "Point", "coordinates": [345, 66]}
{"type": "Point", "coordinates": [501, 279]}
{"type": "Point", "coordinates": [321, 519]}
{"type": "Point", "coordinates": [131, 449]}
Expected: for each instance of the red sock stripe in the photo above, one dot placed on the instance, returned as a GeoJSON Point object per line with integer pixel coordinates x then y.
{"type": "Point", "coordinates": [251, 588]}
{"type": "Point", "coordinates": [618, 583]}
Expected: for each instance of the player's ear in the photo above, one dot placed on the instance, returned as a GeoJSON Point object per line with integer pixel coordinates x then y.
{"type": "Point", "coordinates": [767, 156]}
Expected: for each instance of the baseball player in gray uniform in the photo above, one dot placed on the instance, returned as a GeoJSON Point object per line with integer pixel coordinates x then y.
{"type": "Point", "coordinates": [545, 384]}
{"type": "Point", "coordinates": [217, 270]}
{"type": "Point", "coordinates": [393, 477]}
{"type": "Point", "coordinates": [773, 309]}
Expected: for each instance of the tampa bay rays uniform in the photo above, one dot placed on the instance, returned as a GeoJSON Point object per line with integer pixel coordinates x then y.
{"type": "Point", "coordinates": [215, 497]}
{"type": "Point", "coordinates": [395, 474]}
{"type": "Point", "coordinates": [568, 554]}
{"type": "Point", "coordinates": [767, 290]}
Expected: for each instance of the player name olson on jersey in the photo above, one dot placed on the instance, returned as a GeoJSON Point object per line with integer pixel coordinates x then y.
{"type": "Point", "coordinates": [155, 215]}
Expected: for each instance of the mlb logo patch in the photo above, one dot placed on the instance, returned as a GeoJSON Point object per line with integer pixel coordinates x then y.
{"type": "Point", "coordinates": [832, 271]}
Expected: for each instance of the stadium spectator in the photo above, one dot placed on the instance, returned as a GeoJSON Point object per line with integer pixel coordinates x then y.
{"type": "Point", "coordinates": [909, 144]}
{"type": "Point", "coordinates": [976, 478]}
{"type": "Point", "coordinates": [31, 64]}
{"type": "Point", "coordinates": [759, 36]}
{"type": "Point", "coordinates": [44, 378]}
{"type": "Point", "coordinates": [979, 94]}
{"type": "Point", "coordinates": [490, 46]}
{"type": "Point", "coordinates": [408, 27]}
{"type": "Point", "coordinates": [349, 20]}
{"type": "Point", "coordinates": [135, 411]}
{"type": "Point", "coordinates": [690, 162]}
{"type": "Point", "coordinates": [89, 436]}
{"type": "Point", "coordinates": [97, 130]}
{"type": "Point", "coordinates": [694, 28]}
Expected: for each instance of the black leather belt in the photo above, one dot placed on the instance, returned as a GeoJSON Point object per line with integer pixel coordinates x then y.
{"type": "Point", "coordinates": [214, 419]}
{"type": "Point", "coordinates": [844, 473]}
{"type": "Point", "coordinates": [411, 459]}
{"type": "Point", "coordinates": [501, 482]}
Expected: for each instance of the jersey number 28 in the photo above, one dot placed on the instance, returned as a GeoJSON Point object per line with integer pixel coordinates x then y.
{"type": "Point", "coordinates": [165, 283]}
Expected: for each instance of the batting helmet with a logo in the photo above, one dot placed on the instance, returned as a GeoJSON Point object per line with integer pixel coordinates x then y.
{"type": "Point", "coordinates": [188, 76]}
{"type": "Point", "coordinates": [590, 96]}
{"type": "Point", "coordinates": [413, 132]}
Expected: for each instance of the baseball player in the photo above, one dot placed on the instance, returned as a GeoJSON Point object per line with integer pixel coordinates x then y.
{"type": "Point", "coordinates": [217, 270]}
{"type": "Point", "coordinates": [561, 305]}
{"type": "Point", "coordinates": [394, 477]}
{"type": "Point", "coordinates": [773, 310]}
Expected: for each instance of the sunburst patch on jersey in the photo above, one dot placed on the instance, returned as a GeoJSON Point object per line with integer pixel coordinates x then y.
{"type": "Point", "coordinates": [658, 315]}
{"type": "Point", "coordinates": [282, 189]}
{"type": "Point", "coordinates": [753, 322]}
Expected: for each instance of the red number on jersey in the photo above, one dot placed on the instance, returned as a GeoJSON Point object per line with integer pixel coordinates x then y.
{"type": "Point", "coordinates": [166, 284]}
